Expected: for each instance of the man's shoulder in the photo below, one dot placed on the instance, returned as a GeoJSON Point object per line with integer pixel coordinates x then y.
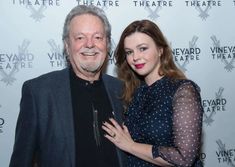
{"type": "Point", "coordinates": [50, 77]}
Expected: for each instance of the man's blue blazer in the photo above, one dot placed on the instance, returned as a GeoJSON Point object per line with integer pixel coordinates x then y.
{"type": "Point", "coordinates": [45, 127]}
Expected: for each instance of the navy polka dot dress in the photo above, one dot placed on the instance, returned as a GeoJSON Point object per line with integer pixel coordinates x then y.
{"type": "Point", "coordinates": [167, 115]}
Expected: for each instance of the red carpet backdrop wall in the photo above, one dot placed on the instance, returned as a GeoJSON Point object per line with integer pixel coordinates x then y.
{"type": "Point", "coordinates": [201, 33]}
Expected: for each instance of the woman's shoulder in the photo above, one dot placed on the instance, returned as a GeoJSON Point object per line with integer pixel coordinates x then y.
{"type": "Point", "coordinates": [179, 84]}
{"type": "Point", "coordinates": [188, 84]}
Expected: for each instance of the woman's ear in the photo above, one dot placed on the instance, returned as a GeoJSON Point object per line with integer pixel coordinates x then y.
{"type": "Point", "coordinates": [160, 52]}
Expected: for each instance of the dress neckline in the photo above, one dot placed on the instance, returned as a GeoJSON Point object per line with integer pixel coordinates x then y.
{"type": "Point", "coordinates": [154, 83]}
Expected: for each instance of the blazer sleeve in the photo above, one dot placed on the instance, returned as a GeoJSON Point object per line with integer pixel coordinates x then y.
{"type": "Point", "coordinates": [25, 147]}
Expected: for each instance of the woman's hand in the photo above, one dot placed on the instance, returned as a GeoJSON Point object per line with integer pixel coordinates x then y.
{"type": "Point", "coordinates": [118, 135]}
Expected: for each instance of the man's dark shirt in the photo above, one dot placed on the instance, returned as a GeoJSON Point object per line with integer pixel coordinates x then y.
{"type": "Point", "coordinates": [92, 148]}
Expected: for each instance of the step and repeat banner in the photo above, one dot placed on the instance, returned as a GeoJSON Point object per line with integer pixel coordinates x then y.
{"type": "Point", "coordinates": [200, 32]}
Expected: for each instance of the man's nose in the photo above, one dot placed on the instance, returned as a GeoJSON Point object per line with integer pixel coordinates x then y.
{"type": "Point", "coordinates": [89, 43]}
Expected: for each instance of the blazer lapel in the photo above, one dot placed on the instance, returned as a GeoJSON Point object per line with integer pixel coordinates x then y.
{"type": "Point", "coordinates": [114, 97]}
{"type": "Point", "coordinates": [117, 106]}
{"type": "Point", "coordinates": [65, 112]}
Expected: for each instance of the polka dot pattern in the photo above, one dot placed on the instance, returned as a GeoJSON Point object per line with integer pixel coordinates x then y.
{"type": "Point", "coordinates": [167, 115]}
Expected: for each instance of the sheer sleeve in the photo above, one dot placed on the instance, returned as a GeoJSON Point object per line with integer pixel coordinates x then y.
{"type": "Point", "coordinates": [187, 126]}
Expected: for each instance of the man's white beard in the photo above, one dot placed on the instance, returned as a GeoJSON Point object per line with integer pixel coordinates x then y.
{"type": "Point", "coordinates": [91, 67]}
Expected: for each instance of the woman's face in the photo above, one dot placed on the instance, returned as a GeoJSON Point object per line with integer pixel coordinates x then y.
{"type": "Point", "coordinates": [143, 56]}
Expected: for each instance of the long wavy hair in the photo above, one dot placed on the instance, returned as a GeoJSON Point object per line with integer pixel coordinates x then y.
{"type": "Point", "coordinates": [131, 79]}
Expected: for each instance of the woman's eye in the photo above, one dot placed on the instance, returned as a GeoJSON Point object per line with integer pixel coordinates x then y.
{"type": "Point", "coordinates": [128, 53]}
{"type": "Point", "coordinates": [143, 49]}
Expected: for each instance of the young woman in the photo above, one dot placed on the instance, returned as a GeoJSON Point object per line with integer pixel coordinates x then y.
{"type": "Point", "coordinates": [163, 119]}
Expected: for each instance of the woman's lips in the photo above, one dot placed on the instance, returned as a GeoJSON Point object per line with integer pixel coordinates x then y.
{"type": "Point", "coordinates": [139, 66]}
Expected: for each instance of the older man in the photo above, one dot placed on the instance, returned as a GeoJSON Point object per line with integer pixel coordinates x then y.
{"type": "Point", "coordinates": [61, 113]}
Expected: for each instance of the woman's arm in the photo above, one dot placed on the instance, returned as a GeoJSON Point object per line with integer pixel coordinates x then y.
{"type": "Point", "coordinates": [187, 125]}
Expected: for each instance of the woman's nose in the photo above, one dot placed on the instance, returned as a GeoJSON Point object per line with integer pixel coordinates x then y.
{"type": "Point", "coordinates": [135, 56]}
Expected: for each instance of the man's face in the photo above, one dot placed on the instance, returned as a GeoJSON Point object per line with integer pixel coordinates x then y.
{"type": "Point", "coordinates": [86, 45]}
